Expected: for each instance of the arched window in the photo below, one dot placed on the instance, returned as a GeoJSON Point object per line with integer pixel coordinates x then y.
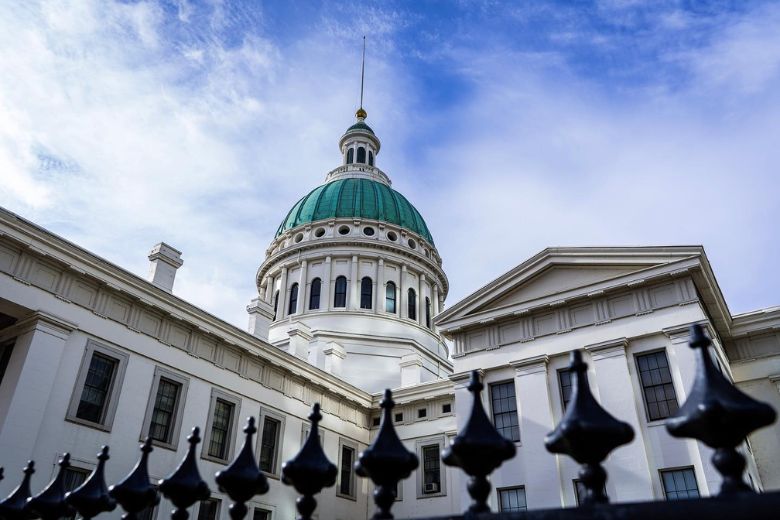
{"type": "Point", "coordinates": [340, 294]}
{"type": "Point", "coordinates": [366, 292]}
{"type": "Point", "coordinates": [390, 297]}
{"type": "Point", "coordinates": [293, 299]}
{"type": "Point", "coordinates": [276, 303]}
{"type": "Point", "coordinates": [361, 156]}
{"type": "Point", "coordinates": [350, 156]}
{"type": "Point", "coordinates": [427, 312]}
{"type": "Point", "coordinates": [314, 294]}
{"type": "Point", "coordinates": [412, 305]}
{"type": "Point", "coordinates": [370, 158]}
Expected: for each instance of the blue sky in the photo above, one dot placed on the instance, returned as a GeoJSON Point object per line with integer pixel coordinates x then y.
{"type": "Point", "coordinates": [512, 126]}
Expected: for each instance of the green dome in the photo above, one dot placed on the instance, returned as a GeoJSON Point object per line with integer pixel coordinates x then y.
{"type": "Point", "coordinates": [358, 198]}
{"type": "Point", "coordinates": [360, 125]}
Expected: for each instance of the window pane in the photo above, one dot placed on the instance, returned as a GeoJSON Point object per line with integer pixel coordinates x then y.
{"type": "Point", "coordinates": [161, 425]}
{"type": "Point", "coordinates": [94, 395]}
{"type": "Point", "coordinates": [268, 444]}
{"type": "Point", "coordinates": [261, 514]}
{"type": "Point", "coordinates": [347, 460]}
{"type": "Point", "coordinates": [512, 499]}
{"type": "Point", "coordinates": [390, 297]}
{"type": "Point", "coordinates": [314, 296]}
{"type": "Point", "coordinates": [412, 304]}
{"type": "Point", "coordinates": [504, 406]}
{"type": "Point", "coordinates": [220, 429]}
{"type": "Point", "coordinates": [680, 483]}
{"type": "Point", "coordinates": [209, 510]}
{"type": "Point", "coordinates": [366, 293]}
{"type": "Point", "coordinates": [340, 296]}
{"type": "Point", "coordinates": [431, 469]}
{"type": "Point", "coordinates": [564, 378]}
{"type": "Point", "coordinates": [656, 379]}
{"type": "Point", "coordinates": [293, 299]}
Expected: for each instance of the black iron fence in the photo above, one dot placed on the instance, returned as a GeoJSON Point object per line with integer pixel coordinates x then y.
{"type": "Point", "coordinates": [715, 413]}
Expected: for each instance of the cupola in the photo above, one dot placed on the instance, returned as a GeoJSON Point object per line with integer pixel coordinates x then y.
{"type": "Point", "coordinates": [359, 145]}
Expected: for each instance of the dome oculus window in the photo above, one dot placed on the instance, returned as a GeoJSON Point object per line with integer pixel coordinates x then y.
{"type": "Point", "coordinates": [298, 237]}
{"type": "Point", "coordinates": [368, 231]}
{"type": "Point", "coordinates": [320, 232]}
{"type": "Point", "coordinates": [344, 230]}
{"type": "Point", "coordinates": [412, 244]}
{"type": "Point", "coordinates": [392, 236]}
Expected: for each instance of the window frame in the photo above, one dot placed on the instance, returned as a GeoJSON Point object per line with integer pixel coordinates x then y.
{"type": "Point", "coordinates": [420, 445]}
{"type": "Point", "coordinates": [366, 293]}
{"type": "Point", "coordinates": [336, 292]}
{"type": "Point", "coordinates": [313, 293]}
{"type": "Point", "coordinates": [270, 414]}
{"type": "Point", "coordinates": [394, 298]}
{"type": "Point", "coordinates": [516, 410]}
{"type": "Point", "coordinates": [180, 404]}
{"type": "Point", "coordinates": [292, 303]}
{"type": "Point", "coordinates": [675, 470]}
{"type": "Point", "coordinates": [361, 150]}
{"type": "Point", "coordinates": [352, 495]}
{"type": "Point", "coordinates": [112, 396]}
{"type": "Point", "coordinates": [263, 509]}
{"type": "Point", "coordinates": [510, 488]}
{"type": "Point", "coordinates": [637, 356]}
{"type": "Point", "coordinates": [560, 372]}
{"type": "Point", "coordinates": [210, 499]}
{"type": "Point", "coordinates": [232, 427]}
{"type": "Point", "coordinates": [350, 155]}
{"type": "Point", "coordinates": [411, 304]}
{"type": "Point", "coordinates": [427, 312]}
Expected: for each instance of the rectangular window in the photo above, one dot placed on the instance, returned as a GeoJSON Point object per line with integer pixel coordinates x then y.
{"type": "Point", "coordinates": [564, 379]}
{"type": "Point", "coordinates": [346, 471]}
{"type": "Point", "coordinates": [580, 492]}
{"type": "Point", "coordinates": [98, 382]}
{"type": "Point", "coordinates": [504, 407]}
{"type": "Point", "coordinates": [94, 395]}
{"type": "Point", "coordinates": [398, 417]}
{"type": "Point", "coordinates": [164, 410]}
{"type": "Point", "coordinates": [209, 509]}
{"type": "Point", "coordinates": [431, 469]}
{"type": "Point", "coordinates": [222, 420]}
{"type": "Point", "coordinates": [679, 483]}
{"type": "Point", "coordinates": [73, 478]}
{"type": "Point", "coordinates": [512, 499]}
{"type": "Point", "coordinates": [269, 442]}
{"type": "Point", "coordinates": [657, 387]}
{"type": "Point", "coordinates": [446, 408]}
{"type": "Point", "coordinates": [261, 514]}
{"type": "Point", "coordinates": [422, 413]}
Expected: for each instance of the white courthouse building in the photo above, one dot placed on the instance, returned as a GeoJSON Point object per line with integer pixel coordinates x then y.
{"type": "Point", "coordinates": [351, 301]}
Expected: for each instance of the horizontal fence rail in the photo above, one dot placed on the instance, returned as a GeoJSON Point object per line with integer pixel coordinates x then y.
{"type": "Point", "coordinates": [716, 413]}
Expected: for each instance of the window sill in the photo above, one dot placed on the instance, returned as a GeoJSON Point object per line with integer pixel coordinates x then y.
{"type": "Point", "coordinates": [656, 423]}
{"type": "Point", "coordinates": [161, 444]}
{"type": "Point", "coordinates": [422, 496]}
{"type": "Point", "coordinates": [347, 497]}
{"type": "Point", "coordinates": [274, 476]}
{"type": "Point", "coordinates": [89, 424]}
{"type": "Point", "coordinates": [215, 460]}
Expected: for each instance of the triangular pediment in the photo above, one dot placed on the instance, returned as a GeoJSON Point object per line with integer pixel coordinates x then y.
{"type": "Point", "coordinates": [558, 274]}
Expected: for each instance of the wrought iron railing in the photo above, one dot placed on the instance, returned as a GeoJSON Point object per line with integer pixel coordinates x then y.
{"type": "Point", "coordinates": [715, 413]}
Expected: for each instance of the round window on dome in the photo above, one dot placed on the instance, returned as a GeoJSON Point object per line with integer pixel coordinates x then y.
{"type": "Point", "coordinates": [298, 237]}
{"type": "Point", "coordinates": [344, 230]}
{"type": "Point", "coordinates": [392, 236]}
{"type": "Point", "coordinates": [412, 244]}
{"type": "Point", "coordinates": [368, 231]}
{"type": "Point", "coordinates": [319, 232]}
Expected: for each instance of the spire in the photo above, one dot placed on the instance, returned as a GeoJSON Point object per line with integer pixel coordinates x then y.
{"type": "Point", "coordinates": [361, 114]}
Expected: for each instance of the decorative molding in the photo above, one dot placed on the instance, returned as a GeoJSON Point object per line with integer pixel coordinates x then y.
{"type": "Point", "coordinates": [607, 349]}
{"type": "Point", "coordinates": [534, 365]}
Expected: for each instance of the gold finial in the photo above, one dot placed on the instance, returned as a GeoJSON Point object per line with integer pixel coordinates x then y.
{"type": "Point", "coordinates": [361, 114]}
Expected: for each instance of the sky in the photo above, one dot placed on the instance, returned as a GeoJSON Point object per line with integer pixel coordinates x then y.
{"type": "Point", "coordinates": [511, 126]}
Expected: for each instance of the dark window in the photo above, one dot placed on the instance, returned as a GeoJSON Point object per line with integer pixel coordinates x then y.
{"type": "Point", "coordinates": [73, 478]}
{"type": "Point", "coordinates": [399, 417]}
{"type": "Point", "coordinates": [347, 460]}
{"type": "Point", "coordinates": [293, 299]}
{"type": "Point", "coordinates": [505, 410]}
{"type": "Point", "coordinates": [412, 304]}
{"type": "Point", "coordinates": [446, 408]}
{"type": "Point", "coordinates": [366, 292]}
{"type": "Point", "coordinates": [268, 444]}
{"type": "Point", "coordinates": [370, 158]}
{"type": "Point", "coordinates": [5, 356]}
{"type": "Point", "coordinates": [340, 295]}
{"type": "Point", "coordinates": [97, 385]}
{"type": "Point", "coordinates": [512, 499]}
{"type": "Point", "coordinates": [427, 312]}
{"type": "Point", "coordinates": [390, 297]}
{"type": "Point", "coordinates": [564, 378]}
{"type": "Point", "coordinates": [209, 509]}
{"type": "Point", "coordinates": [276, 303]}
{"type": "Point", "coordinates": [220, 429]}
{"type": "Point", "coordinates": [361, 155]}
{"type": "Point", "coordinates": [165, 402]}
{"type": "Point", "coordinates": [375, 421]}
{"type": "Point", "coordinates": [350, 156]}
{"type": "Point", "coordinates": [431, 469]}
{"type": "Point", "coordinates": [580, 492]}
{"type": "Point", "coordinates": [314, 294]}
{"type": "Point", "coordinates": [261, 514]}
{"type": "Point", "coordinates": [679, 483]}
{"type": "Point", "coordinates": [657, 387]}
{"type": "Point", "coordinates": [422, 413]}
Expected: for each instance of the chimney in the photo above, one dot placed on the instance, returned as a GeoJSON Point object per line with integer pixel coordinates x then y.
{"type": "Point", "coordinates": [165, 260]}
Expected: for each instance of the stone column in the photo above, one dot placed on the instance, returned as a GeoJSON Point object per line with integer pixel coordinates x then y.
{"type": "Point", "coordinates": [379, 296]}
{"type": "Point", "coordinates": [325, 299]}
{"type": "Point", "coordinates": [29, 383]}
{"type": "Point", "coordinates": [421, 300]}
{"type": "Point", "coordinates": [281, 309]}
{"type": "Point", "coordinates": [354, 285]}
{"type": "Point", "coordinates": [536, 420]}
{"type": "Point", "coordinates": [269, 289]}
{"type": "Point", "coordinates": [435, 299]}
{"type": "Point", "coordinates": [302, 278]}
{"type": "Point", "coordinates": [628, 467]}
{"type": "Point", "coordinates": [402, 296]}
